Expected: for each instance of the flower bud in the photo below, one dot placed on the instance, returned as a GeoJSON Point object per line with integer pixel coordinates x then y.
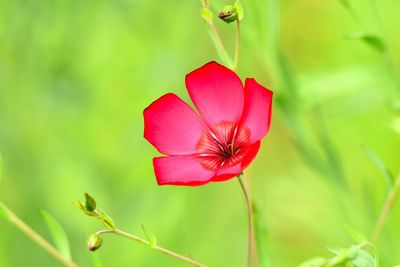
{"type": "Point", "coordinates": [229, 14]}
{"type": "Point", "coordinates": [90, 202]}
{"type": "Point", "coordinates": [94, 242]}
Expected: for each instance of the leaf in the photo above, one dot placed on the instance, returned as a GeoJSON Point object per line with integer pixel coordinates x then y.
{"type": "Point", "coordinates": [364, 259]}
{"type": "Point", "coordinates": [356, 235]}
{"type": "Point", "coordinates": [345, 4]}
{"type": "Point", "coordinates": [375, 42]}
{"type": "Point", "coordinates": [381, 166]}
{"type": "Point", "coordinates": [207, 15]}
{"type": "Point", "coordinates": [106, 219]}
{"type": "Point", "coordinates": [314, 262]}
{"type": "Point", "coordinates": [239, 9]}
{"type": "Point", "coordinates": [150, 237]}
{"type": "Point", "coordinates": [59, 236]}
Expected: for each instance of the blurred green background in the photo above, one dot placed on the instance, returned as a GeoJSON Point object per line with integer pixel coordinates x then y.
{"type": "Point", "coordinates": [75, 77]}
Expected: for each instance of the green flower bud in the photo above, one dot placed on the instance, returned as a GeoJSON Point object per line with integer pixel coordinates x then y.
{"type": "Point", "coordinates": [229, 14]}
{"type": "Point", "coordinates": [232, 13]}
{"type": "Point", "coordinates": [94, 242]}
{"type": "Point", "coordinates": [90, 202]}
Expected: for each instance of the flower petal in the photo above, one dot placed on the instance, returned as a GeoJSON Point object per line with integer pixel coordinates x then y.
{"type": "Point", "coordinates": [250, 153]}
{"type": "Point", "coordinates": [181, 170]}
{"type": "Point", "coordinates": [172, 126]}
{"type": "Point", "coordinates": [217, 93]}
{"type": "Point", "coordinates": [257, 109]}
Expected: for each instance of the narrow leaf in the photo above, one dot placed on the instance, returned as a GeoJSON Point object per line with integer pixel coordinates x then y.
{"type": "Point", "coordinates": [381, 166]}
{"type": "Point", "coordinates": [345, 4]}
{"type": "Point", "coordinates": [375, 42]}
{"type": "Point", "coordinates": [314, 262]}
{"type": "Point", "coordinates": [106, 219]}
{"type": "Point", "coordinates": [357, 236]}
{"type": "Point", "coordinates": [59, 236]}
{"type": "Point", "coordinates": [150, 237]}
{"type": "Point", "coordinates": [364, 259]}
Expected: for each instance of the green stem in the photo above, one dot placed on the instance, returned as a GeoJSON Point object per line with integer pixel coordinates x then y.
{"type": "Point", "coordinates": [237, 50]}
{"type": "Point", "coordinates": [156, 247]}
{"type": "Point", "coordinates": [216, 39]}
{"type": "Point", "coordinates": [36, 237]}
{"type": "Point", "coordinates": [252, 249]}
{"type": "Point", "coordinates": [387, 207]}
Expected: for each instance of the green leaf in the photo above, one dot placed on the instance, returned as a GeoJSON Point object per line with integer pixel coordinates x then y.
{"type": "Point", "coordinates": [239, 9]}
{"type": "Point", "coordinates": [150, 237]}
{"type": "Point", "coordinates": [106, 219]}
{"type": "Point", "coordinates": [345, 4]}
{"type": "Point", "coordinates": [207, 15]}
{"type": "Point", "coordinates": [381, 166]}
{"type": "Point", "coordinates": [314, 262]}
{"type": "Point", "coordinates": [357, 236]}
{"type": "Point", "coordinates": [59, 236]}
{"type": "Point", "coordinates": [364, 259]}
{"type": "Point", "coordinates": [375, 42]}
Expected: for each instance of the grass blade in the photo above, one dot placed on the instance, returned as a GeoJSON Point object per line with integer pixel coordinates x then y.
{"type": "Point", "coordinates": [59, 236]}
{"type": "Point", "coordinates": [381, 166]}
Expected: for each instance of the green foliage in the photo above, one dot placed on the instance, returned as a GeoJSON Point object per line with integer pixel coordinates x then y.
{"type": "Point", "coordinates": [57, 232]}
{"type": "Point", "coordinates": [381, 166]}
{"type": "Point", "coordinates": [75, 77]}
{"type": "Point", "coordinates": [150, 237]}
{"type": "Point", "coordinates": [345, 3]}
{"type": "Point", "coordinates": [90, 208]}
{"type": "Point", "coordinates": [373, 41]}
{"type": "Point", "coordinates": [354, 256]}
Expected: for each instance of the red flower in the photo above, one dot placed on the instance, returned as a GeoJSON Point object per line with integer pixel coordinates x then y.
{"type": "Point", "coordinates": [219, 142]}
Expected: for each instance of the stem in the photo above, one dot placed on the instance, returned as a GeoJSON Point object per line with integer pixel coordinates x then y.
{"type": "Point", "coordinates": [216, 39]}
{"type": "Point", "coordinates": [237, 51]}
{"type": "Point", "coordinates": [387, 207]}
{"type": "Point", "coordinates": [156, 247]}
{"type": "Point", "coordinates": [252, 249]}
{"type": "Point", "coordinates": [36, 237]}
{"type": "Point", "coordinates": [218, 44]}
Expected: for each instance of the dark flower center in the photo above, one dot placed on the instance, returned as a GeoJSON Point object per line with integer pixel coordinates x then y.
{"type": "Point", "coordinates": [222, 146]}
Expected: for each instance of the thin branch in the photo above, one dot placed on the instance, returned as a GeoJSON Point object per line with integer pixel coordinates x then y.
{"type": "Point", "coordinates": [387, 207]}
{"type": "Point", "coordinates": [36, 237]}
{"type": "Point", "coordinates": [156, 247]}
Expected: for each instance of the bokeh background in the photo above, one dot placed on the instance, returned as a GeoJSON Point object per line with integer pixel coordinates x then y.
{"type": "Point", "coordinates": [75, 77]}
